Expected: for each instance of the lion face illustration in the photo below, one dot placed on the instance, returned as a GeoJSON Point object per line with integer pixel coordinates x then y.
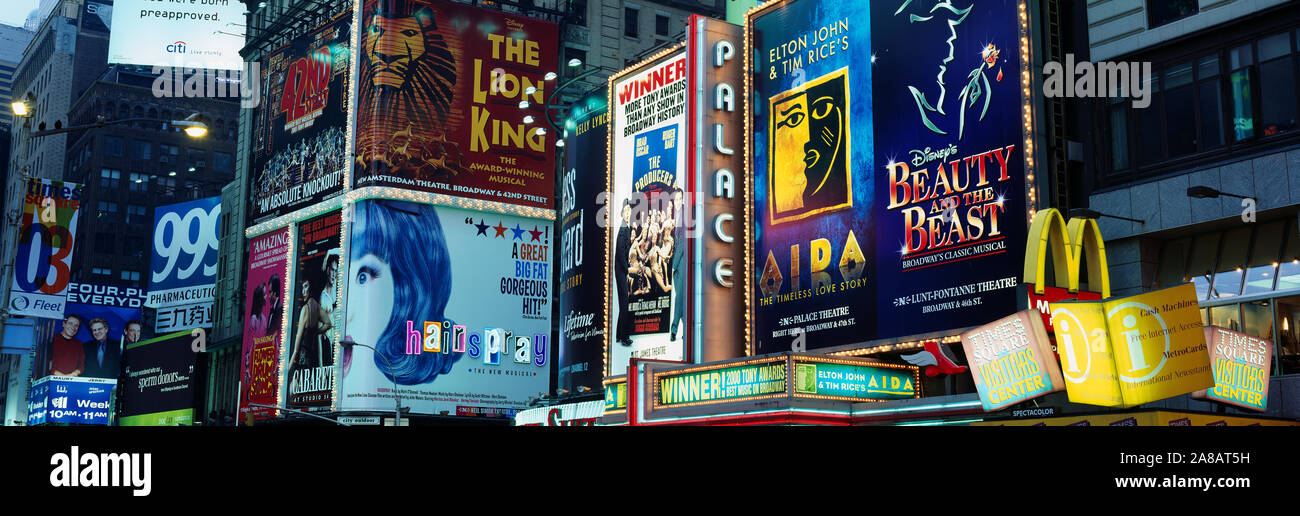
{"type": "Point", "coordinates": [392, 44]}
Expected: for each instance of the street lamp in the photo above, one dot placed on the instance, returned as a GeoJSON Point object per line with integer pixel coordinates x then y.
{"type": "Point", "coordinates": [397, 398]}
{"type": "Point", "coordinates": [1085, 213]}
{"type": "Point", "coordinates": [20, 107]}
{"type": "Point", "coordinates": [1205, 192]}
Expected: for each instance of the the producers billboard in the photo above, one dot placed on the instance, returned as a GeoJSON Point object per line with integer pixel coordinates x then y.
{"type": "Point", "coordinates": [156, 385]}
{"type": "Point", "coordinates": [443, 90]}
{"type": "Point", "coordinates": [299, 138]}
{"type": "Point", "coordinates": [61, 399]}
{"type": "Point", "coordinates": [46, 234]}
{"type": "Point", "coordinates": [456, 302]}
{"type": "Point", "coordinates": [183, 269]}
{"type": "Point", "coordinates": [268, 257]}
{"type": "Point", "coordinates": [646, 229]}
{"type": "Point", "coordinates": [582, 247]}
{"type": "Point", "coordinates": [190, 34]}
{"type": "Point", "coordinates": [100, 320]}
{"type": "Point", "coordinates": [310, 349]}
{"type": "Point", "coordinates": [889, 169]}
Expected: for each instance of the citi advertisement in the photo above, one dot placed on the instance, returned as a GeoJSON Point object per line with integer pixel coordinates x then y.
{"type": "Point", "coordinates": [443, 92]}
{"type": "Point", "coordinates": [889, 173]}
{"type": "Point", "coordinates": [100, 321]}
{"type": "Point", "coordinates": [153, 33]}
{"type": "Point", "coordinates": [183, 269]}
{"type": "Point", "coordinates": [46, 238]}
{"type": "Point", "coordinates": [311, 337]}
{"type": "Point", "coordinates": [54, 399]}
{"type": "Point", "coordinates": [582, 247]}
{"type": "Point", "coordinates": [156, 385]}
{"type": "Point", "coordinates": [456, 303]}
{"type": "Point", "coordinates": [646, 229]}
{"type": "Point", "coordinates": [268, 257]}
{"type": "Point", "coordinates": [299, 137]}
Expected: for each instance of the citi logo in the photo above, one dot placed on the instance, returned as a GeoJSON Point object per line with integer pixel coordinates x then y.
{"type": "Point", "coordinates": [60, 402]}
{"type": "Point", "coordinates": [103, 470]}
{"type": "Point", "coordinates": [176, 48]}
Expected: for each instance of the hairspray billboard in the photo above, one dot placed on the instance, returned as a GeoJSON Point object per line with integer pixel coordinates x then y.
{"type": "Point", "coordinates": [889, 168]}
{"type": "Point", "coordinates": [156, 387]}
{"type": "Point", "coordinates": [300, 133]}
{"type": "Point", "coordinates": [646, 228]}
{"type": "Point", "coordinates": [443, 89]}
{"type": "Point", "coordinates": [315, 298]}
{"type": "Point", "coordinates": [450, 307]}
{"type": "Point", "coordinates": [183, 267]}
{"type": "Point", "coordinates": [582, 246]}
{"type": "Point", "coordinates": [268, 257]}
{"type": "Point", "coordinates": [46, 234]}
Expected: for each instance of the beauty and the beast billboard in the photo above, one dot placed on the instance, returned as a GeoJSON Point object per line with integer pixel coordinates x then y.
{"type": "Point", "coordinates": [889, 168]}
{"type": "Point", "coordinates": [299, 143]}
{"type": "Point", "coordinates": [440, 89]}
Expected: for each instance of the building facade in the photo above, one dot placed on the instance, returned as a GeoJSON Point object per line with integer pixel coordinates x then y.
{"type": "Point", "coordinates": [13, 41]}
{"type": "Point", "coordinates": [1222, 115]}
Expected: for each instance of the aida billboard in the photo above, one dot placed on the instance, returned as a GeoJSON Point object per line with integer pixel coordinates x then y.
{"type": "Point", "coordinates": [192, 34]}
{"type": "Point", "coordinates": [443, 90]}
{"type": "Point", "coordinates": [299, 137]}
{"type": "Point", "coordinates": [457, 305]}
{"type": "Point", "coordinates": [264, 312]}
{"type": "Point", "coordinates": [889, 170]}
{"type": "Point", "coordinates": [46, 237]}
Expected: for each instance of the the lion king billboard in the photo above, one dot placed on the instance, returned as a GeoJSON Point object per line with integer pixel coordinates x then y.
{"type": "Point", "coordinates": [440, 90]}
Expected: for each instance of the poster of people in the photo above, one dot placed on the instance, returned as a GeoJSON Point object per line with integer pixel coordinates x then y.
{"type": "Point", "coordinates": [46, 236]}
{"type": "Point", "coordinates": [456, 302]}
{"type": "Point", "coordinates": [582, 246]}
{"type": "Point", "coordinates": [264, 313]}
{"type": "Point", "coordinates": [183, 267]}
{"type": "Point", "coordinates": [443, 92]}
{"type": "Point", "coordinates": [300, 131]}
{"type": "Point", "coordinates": [315, 300]}
{"type": "Point", "coordinates": [889, 170]}
{"type": "Point", "coordinates": [156, 382]}
{"type": "Point", "coordinates": [100, 320]}
{"type": "Point", "coordinates": [646, 230]}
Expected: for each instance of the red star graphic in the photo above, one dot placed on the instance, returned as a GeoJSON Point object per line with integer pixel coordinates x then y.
{"type": "Point", "coordinates": [537, 234]}
{"type": "Point", "coordinates": [501, 230]}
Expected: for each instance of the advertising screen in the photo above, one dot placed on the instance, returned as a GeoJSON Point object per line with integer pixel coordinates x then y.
{"type": "Point", "coordinates": [100, 320]}
{"type": "Point", "coordinates": [46, 236]}
{"type": "Point", "coordinates": [456, 302]}
{"type": "Point", "coordinates": [183, 268]}
{"type": "Point", "coordinates": [153, 33]}
{"type": "Point", "coordinates": [315, 296]}
{"type": "Point", "coordinates": [268, 257]}
{"type": "Point", "coordinates": [443, 92]}
{"type": "Point", "coordinates": [889, 169]}
{"type": "Point", "coordinates": [646, 230]}
{"type": "Point", "coordinates": [59, 399]}
{"type": "Point", "coordinates": [156, 385]}
{"type": "Point", "coordinates": [299, 138]}
{"type": "Point", "coordinates": [582, 246]}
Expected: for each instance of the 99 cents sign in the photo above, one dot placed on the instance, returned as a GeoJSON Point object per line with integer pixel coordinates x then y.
{"type": "Point", "coordinates": [46, 236]}
{"type": "Point", "coordinates": [183, 269]}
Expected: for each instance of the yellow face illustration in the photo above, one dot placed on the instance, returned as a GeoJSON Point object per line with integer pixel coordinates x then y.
{"type": "Point", "coordinates": [392, 44]}
{"type": "Point", "coordinates": [809, 171]}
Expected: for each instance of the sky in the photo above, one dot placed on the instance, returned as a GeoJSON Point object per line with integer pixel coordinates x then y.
{"type": "Point", "coordinates": [15, 11]}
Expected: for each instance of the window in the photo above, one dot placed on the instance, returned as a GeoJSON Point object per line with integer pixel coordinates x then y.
{"type": "Point", "coordinates": [1243, 121]}
{"type": "Point", "coordinates": [107, 210]}
{"type": "Point", "coordinates": [139, 182]}
{"type": "Point", "coordinates": [113, 146]}
{"type": "Point", "coordinates": [141, 149]}
{"type": "Point", "coordinates": [135, 247]}
{"type": "Point", "coordinates": [132, 276]}
{"type": "Point", "coordinates": [1288, 345]}
{"type": "Point", "coordinates": [100, 271]}
{"type": "Point", "coordinates": [1160, 12]}
{"type": "Point", "coordinates": [104, 243]}
{"type": "Point", "coordinates": [578, 12]}
{"type": "Point", "coordinates": [168, 153]}
{"type": "Point", "coordinates": [135, 214]}
{"type": "Point", "coordinates": [109, 178]}
{"type": "Point", "coordinates": [221, 161]}
{"type": "Point", "coordinates": [1277, 90]}
{"type": "Point", "coordinates": [631, 17]}
{"type": "Point", "coordinates": [1232, 259]}
{"type": "Point", "coordinates": [662, 22]}
{"type": "Point", "coordinates": [1261, 271]}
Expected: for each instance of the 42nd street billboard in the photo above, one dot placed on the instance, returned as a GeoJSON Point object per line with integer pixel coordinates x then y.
{"type": "Point", "coordinates": [889, 168]}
